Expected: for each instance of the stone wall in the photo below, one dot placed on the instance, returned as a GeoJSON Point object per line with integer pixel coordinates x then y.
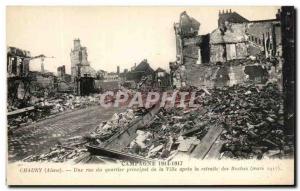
{"type": "Point", "coordinates": [219, 76]}
{"type": "Point", "coordinates": [232, 42]}
{"type": "Point", "coordinates": [240, 40]}
{"type": "Point", "coordinates": [264, 36]}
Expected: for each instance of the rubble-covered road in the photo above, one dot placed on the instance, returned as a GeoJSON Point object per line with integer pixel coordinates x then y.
{"type": "Point", "coordinates": [40, 136]}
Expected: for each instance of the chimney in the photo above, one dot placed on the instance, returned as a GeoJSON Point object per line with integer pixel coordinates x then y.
{"type": "Point", "coordinates": [77, 44]}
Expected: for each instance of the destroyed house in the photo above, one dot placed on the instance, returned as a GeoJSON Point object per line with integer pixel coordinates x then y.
{"type": "Point", "coordinates": [141, 70]}
{"type": "Point", "coordinates": [162, 78]}
{"type": "Point", "coordinates": [63, 80]}
{"type": "Point", "coordinates": [191, 48]}
{"type": "Point", "coordinates": [42, 80]}
{"type": "Point", "coordinates": [17, 62]}
{"type": "Point", "coordinates": [239, 39]}
{"type": "Point", "coordinates": [18, 75]}
{"type": "Point", "coordinates": [107, 80]}
{"type": "Point", "coordinates": [217, 59]}
{"type": "Point", "coordinates": [80, 66]}
{"type": "Point", "coordinates": [61, 71]}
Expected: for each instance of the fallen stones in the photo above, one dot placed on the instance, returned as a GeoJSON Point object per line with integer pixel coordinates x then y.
{"type": "Point", "coordinates": [252, 117]}
{"type": "Point", "coordinates": [107, 129]}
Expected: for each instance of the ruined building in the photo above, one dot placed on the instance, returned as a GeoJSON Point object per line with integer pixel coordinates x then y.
{"type": "Point", "coordinates": [191, 48]}
{"type": "Point", "coordinates": [238, 38]}
{"type": "Point", "coordinates": [140, 71]}
{"type": "Point", "coordinates": [80, 65]}
{"type": "Point", "coordinates": [17, 62]}
{"type": "Point", "coordinates": [17, 74]}
{"type": "Point", "coordinates": [61, 71]}
{"type": "Point", "coordinates": [83, 75]}
{"type": "Point", "coordinates": [161, 78]}
{"type": "Point", "coordinates": [64, 80]}
{"type": "Point", "coordinates": [207, 59]}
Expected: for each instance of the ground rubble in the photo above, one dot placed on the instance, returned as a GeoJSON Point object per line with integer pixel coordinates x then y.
{"type": "Point", "coordinates": [64, 150]}
{"type": "Point", "coordinates": [253, 121]}
{"type": "Point", "coordinates": [115, 125]}
{"type": "Point", "coordinates": [251, 117]}
{"type": "Point", "coordinates": [47, 107]}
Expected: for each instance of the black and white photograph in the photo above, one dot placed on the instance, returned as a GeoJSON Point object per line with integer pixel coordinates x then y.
{"type": "Point", "coordinates": [177, 89]}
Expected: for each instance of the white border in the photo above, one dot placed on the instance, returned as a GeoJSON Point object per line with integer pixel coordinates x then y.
{"type": "Point", "coordinates": [5, 3]}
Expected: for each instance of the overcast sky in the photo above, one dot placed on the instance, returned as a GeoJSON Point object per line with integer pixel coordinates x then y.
{"type": "Point", "coordinates": [113, 35]}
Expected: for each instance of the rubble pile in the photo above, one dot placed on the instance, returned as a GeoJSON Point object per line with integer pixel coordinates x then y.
{"type": "Point", "coordinates": [253, 121]}
{"type": "Point", "coordinates": [56, 154]}
{"type": "Point", "coordinates": [46, 107]}
{"type": "Point", "coordinates": [21, 119]}
{"type": "Point", "coordinates": [28, 117]}
{"type": "Point", "coordinates": [172, 130]}
{"type": "Point", "coordinates": [63, 151]}
{"type": "Point", "coordinates": [107, 129]}
{"type": "Point", "coordinates": [252, 117]}
{"type": "Point", "coordinates": [69, 102]}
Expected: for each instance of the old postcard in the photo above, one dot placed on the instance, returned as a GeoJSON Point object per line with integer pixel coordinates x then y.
{"type": "Point", "coordinates": [150, 95]}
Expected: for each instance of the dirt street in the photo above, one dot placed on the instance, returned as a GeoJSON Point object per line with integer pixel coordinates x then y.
{"type": "Point", "coordinates": [40, 136]}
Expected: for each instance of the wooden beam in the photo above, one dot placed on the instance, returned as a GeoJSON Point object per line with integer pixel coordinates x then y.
{"type": "Point", "coordinates": [96, 150]}
{"type": "Point", "coordinates": [208, 140]}
{"type": "Point", "coordinates": [214, 152]}
{"type": "Point", "coordinates": [19, 111]}
{"type": "Point", "coordinates": [120, 140]}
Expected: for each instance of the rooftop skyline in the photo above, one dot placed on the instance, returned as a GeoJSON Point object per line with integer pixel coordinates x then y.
{"type": "Point", "coordinates": [114, 36]}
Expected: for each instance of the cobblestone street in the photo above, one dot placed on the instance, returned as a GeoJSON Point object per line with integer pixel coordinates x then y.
{"type": "Point", "coordinates": [40, 136]}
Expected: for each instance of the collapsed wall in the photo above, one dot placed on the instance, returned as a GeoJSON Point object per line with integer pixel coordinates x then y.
{"type": "Point", "coordinates": [234, 53]}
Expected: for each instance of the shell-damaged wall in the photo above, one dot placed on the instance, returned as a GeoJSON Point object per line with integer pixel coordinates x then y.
{"type": "Point", "coordinates": [218, 76]}
{"type": "Point", "coordinates": [241, 40]}
{"type": "Point", "coordinates": [234, 53]}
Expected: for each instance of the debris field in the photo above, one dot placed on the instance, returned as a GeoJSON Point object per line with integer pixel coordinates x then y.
{"type": "Point", "coordinates": [250, 118]}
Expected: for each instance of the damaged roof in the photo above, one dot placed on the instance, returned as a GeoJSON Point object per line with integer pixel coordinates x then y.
{"type": "Point", "coordinates": [231, 17]}
{"type": "Point", "coordinates": [18, 52]}
{"type": "Point", "coordinates": [234, 33]}
{"type": "Point", "coordinates": [144, 67]}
